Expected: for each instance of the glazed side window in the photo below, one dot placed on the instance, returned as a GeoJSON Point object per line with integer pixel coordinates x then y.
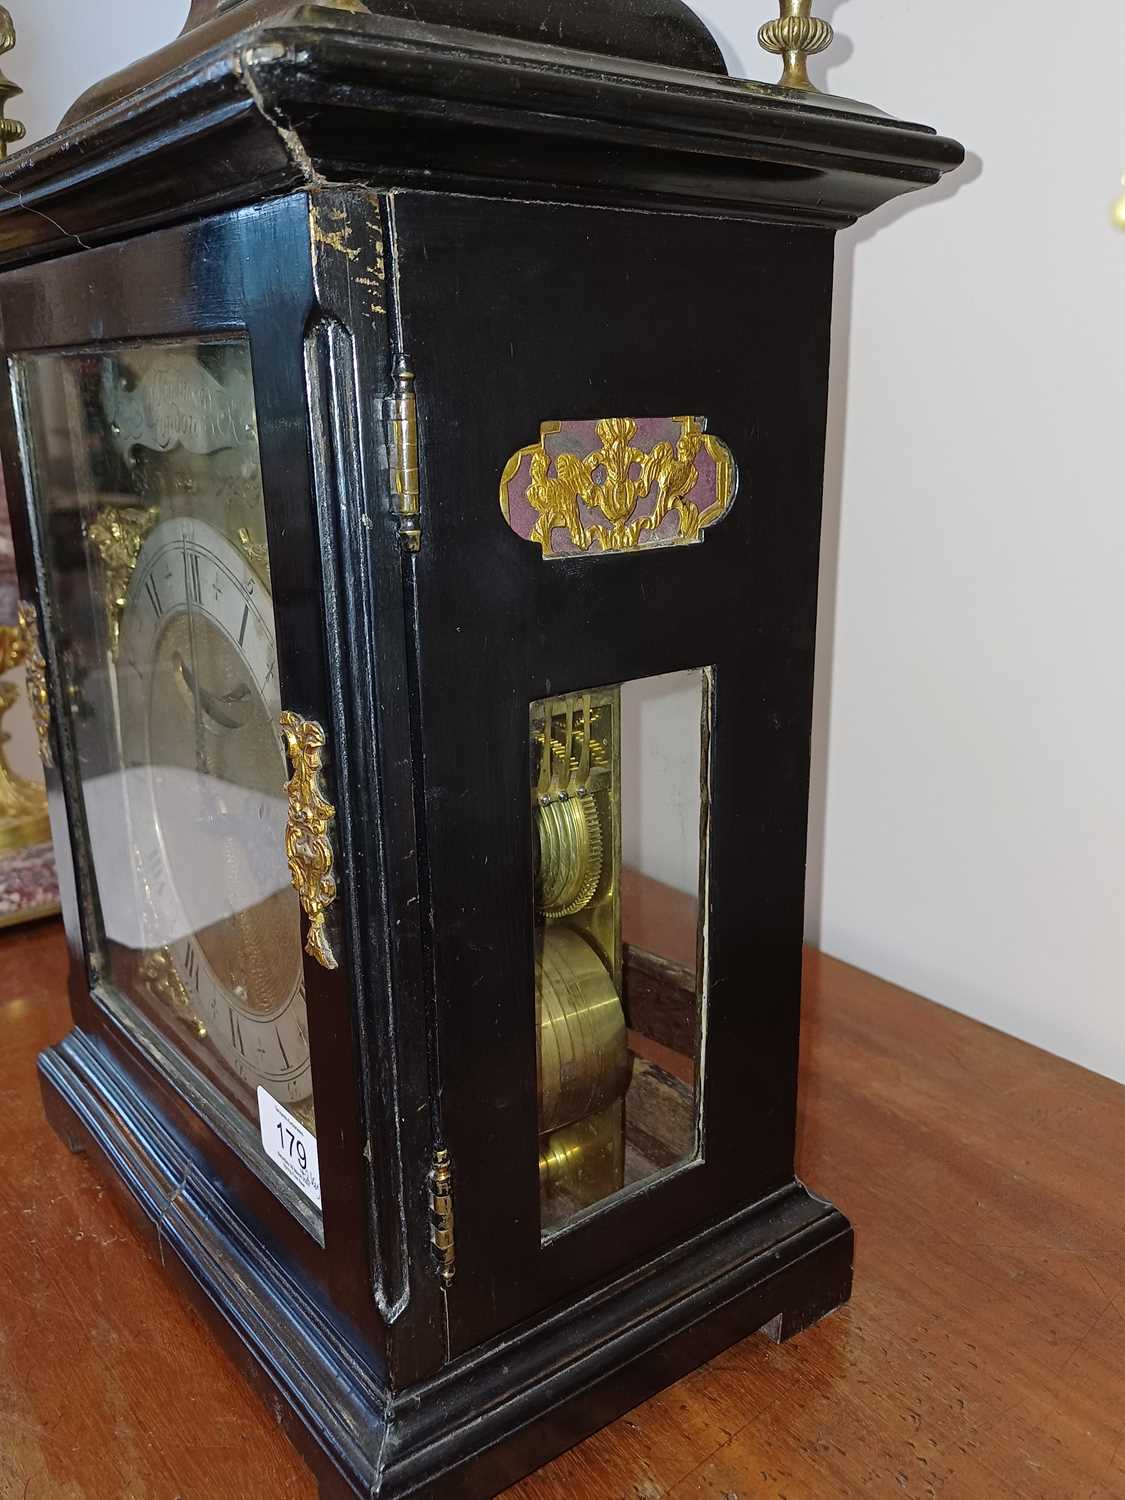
{"type": "Point", "coordinates": [620, 814]}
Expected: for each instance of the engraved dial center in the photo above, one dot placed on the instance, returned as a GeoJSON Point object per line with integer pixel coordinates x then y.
{"type": "Point", "coordinates": [228, 711]}
{"type": "Point", "coordinates": [223, 732]}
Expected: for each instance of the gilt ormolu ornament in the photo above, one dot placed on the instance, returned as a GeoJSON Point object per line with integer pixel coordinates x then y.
{"type": "Point", "coordinates": [28, 887]}
{"type": "Point", "coordinates": [23, 805]}
{"type": "Point", "coordinates": [422, 509]}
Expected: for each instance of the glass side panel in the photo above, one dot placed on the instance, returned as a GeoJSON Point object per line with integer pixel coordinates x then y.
{"type": "Point", "coordinates": [618, 787]}
{"type": "Point", "coordinates": [148, 494]}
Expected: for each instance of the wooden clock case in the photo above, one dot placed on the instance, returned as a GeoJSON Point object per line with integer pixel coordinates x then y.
{"type": "Point", "coordinates": [597, 223]}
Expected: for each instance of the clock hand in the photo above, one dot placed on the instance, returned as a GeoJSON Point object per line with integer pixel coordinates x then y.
{"type": "Point", "coordinates": [189, 678]}
{"type": "Point", "coordinates": [218, 708]}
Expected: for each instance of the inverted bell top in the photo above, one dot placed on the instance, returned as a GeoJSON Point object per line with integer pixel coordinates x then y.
{"type": "Point", "coordinates": [615, 102]}
{"type": "Point", "coordinates": [664, 32]}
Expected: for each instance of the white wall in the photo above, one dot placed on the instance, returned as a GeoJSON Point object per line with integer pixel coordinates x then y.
{"type": "Point", "coordinates": [969, 837]}
{"type": "Point", "coordinates": [968, 828]}
{"type": "Point", "coordinates": [62, 46]}
{"type": "Point", "coordinates": [661, 747]}
{"type": "Point", "coordinates": [974, 843]}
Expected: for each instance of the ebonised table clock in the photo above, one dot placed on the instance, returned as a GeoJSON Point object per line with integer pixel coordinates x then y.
{"type": "Point", "coordinates": [414, 422]}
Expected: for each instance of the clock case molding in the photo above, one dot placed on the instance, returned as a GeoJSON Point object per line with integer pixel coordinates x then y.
{"type": "Point", "coordinates": [263, 162]}
{"type": "Point", "coordinates": [310, 95]}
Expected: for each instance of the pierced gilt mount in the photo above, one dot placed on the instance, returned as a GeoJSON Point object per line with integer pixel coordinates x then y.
{"type": "Point", "coordinates": [795, 36]}
{"type": "Point", "coordinates": [308, 836]}
{"type": "Point", "coordinates": [162, 980]}
{"type": "Point", "coordinates": [257, 554]}
{"type": "Point", "coordinates": [619, 484]}
{"type": "Point", "coordinates": [36, 670]}
{"type": "Point", "coordinates": [117, 533]}
{"type": "Point", "coordinates": [10, 130]}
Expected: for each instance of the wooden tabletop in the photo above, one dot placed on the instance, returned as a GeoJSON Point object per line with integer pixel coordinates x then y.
{"type": "Point", "coordinates": [983, 1353]}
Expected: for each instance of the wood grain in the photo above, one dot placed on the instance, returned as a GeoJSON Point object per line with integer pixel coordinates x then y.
{"type": "Point", "coordinates": [983, 1354]}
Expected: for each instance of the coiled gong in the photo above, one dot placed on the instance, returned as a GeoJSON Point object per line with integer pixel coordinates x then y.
{"type": "Point", "coordinates": [583, 1056]}
{"type": "Point", "coordinates": [570, 854]}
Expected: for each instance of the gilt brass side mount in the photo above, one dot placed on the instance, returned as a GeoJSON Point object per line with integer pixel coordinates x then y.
{"type": "Point", "coordinates": [618, 484]}
{"type": "Point", "coordinates": [308, 837]}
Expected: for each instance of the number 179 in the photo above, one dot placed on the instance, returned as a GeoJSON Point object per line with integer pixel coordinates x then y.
{"type": "Point", "coordinates": [292, 1146]}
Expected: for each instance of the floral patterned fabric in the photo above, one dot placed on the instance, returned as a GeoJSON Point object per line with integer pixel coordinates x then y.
{"type": "Point", "coordinates": [28, 885]}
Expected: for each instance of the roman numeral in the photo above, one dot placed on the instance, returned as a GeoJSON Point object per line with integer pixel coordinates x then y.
{"type": "Point", "coordinates": [242, 627]}
{"type": "Point", "coordinates": [191, 966]}
{"type": "Point", "coordinates": [194, 588]}
{"type": "Point", "coordinates": [154, 598]}
{"type": "Point", "coordinates": [281, 1048]}
{"type": "Point", "coordinates": [236, 1033]}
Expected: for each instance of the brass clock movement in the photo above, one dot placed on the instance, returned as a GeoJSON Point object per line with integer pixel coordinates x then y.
{"type": "Point", "coordinates": [414, 426]}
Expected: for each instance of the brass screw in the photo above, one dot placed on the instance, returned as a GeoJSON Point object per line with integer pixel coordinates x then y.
{"type": "Point", "coordinates": [795, 37]}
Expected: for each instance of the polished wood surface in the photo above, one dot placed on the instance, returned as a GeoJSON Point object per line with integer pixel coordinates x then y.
{"type": "Point", "coordinates": [983, 1353]}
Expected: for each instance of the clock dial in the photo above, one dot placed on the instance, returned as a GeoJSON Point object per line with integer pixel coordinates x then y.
{"type": "Point", "coordinates": [199, 715]}
{"type": "Point", "coordinates": [152, 525]}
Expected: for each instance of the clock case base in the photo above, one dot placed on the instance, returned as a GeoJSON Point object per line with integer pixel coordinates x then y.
{"type": "Point", "coordinates": [494, 1414]}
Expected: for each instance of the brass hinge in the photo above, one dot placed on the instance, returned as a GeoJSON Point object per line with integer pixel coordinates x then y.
{"type": "Point", "coordinates": [404, 454]}
{"type": "Point", "coordinates": [441, 1214]}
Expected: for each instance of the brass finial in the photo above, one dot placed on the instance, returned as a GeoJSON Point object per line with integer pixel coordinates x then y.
{"type": "Point", "coordinates": [795, 36]}
{"type": "Point", "coordinates": [10, 130]}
